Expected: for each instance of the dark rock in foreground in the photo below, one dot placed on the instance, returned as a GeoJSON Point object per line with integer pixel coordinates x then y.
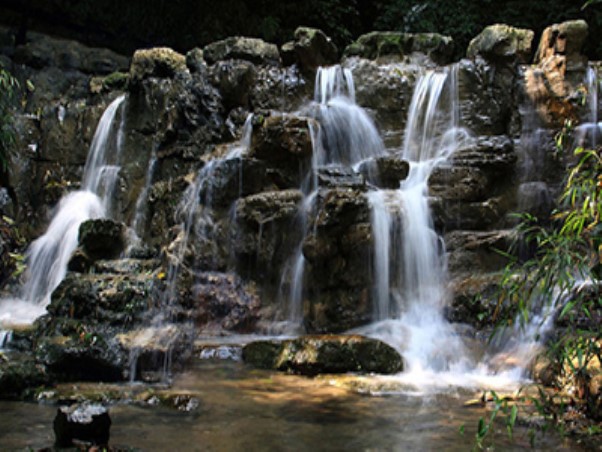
{"type": "Point", "coordinates": [83, 422]}
{"type": "Point", "coordinates": [315, 354]}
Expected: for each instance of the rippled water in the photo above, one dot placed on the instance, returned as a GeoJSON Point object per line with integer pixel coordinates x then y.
{"type": "Point", "coordinates": [243, 409]}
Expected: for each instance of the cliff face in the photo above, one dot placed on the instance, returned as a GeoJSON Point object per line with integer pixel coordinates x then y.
{"type": "Point", "coordinates": [196, 210]}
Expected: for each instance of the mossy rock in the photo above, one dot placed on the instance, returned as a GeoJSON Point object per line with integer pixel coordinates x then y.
{"type": "Point", "coordinates": [500, 42]}
{"type": "Point", "coordinates": [18, 373]}
{"type": "Point", "coordinates": [161, 62]}
{"type": "Point", "coordinates": [318, 354]}
{"type": "Point", "coordinates": [117, 81]}
{"type": "Point", "coordinates": [102, 238]}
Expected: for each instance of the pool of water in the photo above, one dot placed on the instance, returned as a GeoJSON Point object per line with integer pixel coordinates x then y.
{"type": "Point", "coordinates": [244, 409]}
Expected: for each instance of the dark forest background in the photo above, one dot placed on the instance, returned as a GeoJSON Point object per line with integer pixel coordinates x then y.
{"type": "Point", "coordinates": [125, 25]}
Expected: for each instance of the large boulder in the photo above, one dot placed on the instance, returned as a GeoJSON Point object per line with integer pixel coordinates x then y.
{"type": "Point", "coordinates": [18, 373]}
{"type": "Point", "coordinates": [265, 232]}
{"type": "Point", "coordinates": [234, 79]}
{"type": "Point", "coordinates": [559, 68]}
{"type": "Point", "coordinates": [386, 171]}
{"type": "Point", "coordinates": [88, 423]}
{"type": "Point", "coordinates": [337, 252]}
{"type": "Point", "coordinates": [254, 50]}
{"type": "Point", "coordinates": [223, 300]}
{"type": "Point", "coordinates": [311, 49]}
{"type": "Point", "coordinates": [312, 355]}
{"type": "Point", "coordinates": [385, 91]}
{"type": "Point", "coordinates": [90, 355]}
{"type": "Point", "coordinates": [396, 45]}
{"type": "Point", "coordinates": [161, 62]}
{"type": "Point", "coordinates": [502, 43]}
{"type": "Point", "coordinates": [102, 238]}
{"type": "Point", "coordinates": [284, 142]}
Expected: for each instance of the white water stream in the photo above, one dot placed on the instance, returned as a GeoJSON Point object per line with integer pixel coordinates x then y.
{"type": "Point", "coordinates": [48, 256]}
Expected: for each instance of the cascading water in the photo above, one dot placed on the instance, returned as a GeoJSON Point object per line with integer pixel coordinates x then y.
{"type": "Point", "coordinates": [194, 213]}
{"type": "Point", "coordinates": [48, 256]}
{"type": "Point", "coordinates": [409, 264]}
{"type": "Point", "coordinates": [346, 136]}
{"type": "Point", "coordinates": [589, 132]}
{"type": "Point", "coordinates": [198, 216]}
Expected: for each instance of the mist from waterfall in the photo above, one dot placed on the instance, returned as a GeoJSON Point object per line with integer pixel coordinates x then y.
{"type": "Point", "coordinates": [48, 256]}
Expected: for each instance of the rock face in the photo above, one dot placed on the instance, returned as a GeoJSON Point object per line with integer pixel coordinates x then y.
{"type": "Point", "coordinates": [311, 355]}
{"type": "Point", "coordinates": [502, 43]}
{"type": "Point", "coordinates": [86, 423]}
{"type": "Point", "coordinates": [311, 49]}
{"type": "Point", "coordinates": [396, 45]}
{"type": "Point", "coordinates": [558, 71]}
{"type": "Point", "coordinates": [223, 299]}
{"type": "Point", "coordinates": [102, 239]}
{"type": "Point", "coordinates": [232, 219]}
{"type": "Point", "coordinates": [249, 49]}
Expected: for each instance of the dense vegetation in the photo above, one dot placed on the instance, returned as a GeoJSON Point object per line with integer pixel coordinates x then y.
{"type": "Point", "coordinates": [183, 25]}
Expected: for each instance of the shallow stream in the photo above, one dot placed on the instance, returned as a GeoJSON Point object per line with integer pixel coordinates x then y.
{"type": "Point", "coordinates": [243, 409]}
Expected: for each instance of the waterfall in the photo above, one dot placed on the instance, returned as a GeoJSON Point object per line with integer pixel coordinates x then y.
{"type": "Point", "coordinates": [589, 132]}
{"type": "Point", "coordinates": [48, 256]}
{"type": "Point", "coordinates": [194, 210]}
{"type": "Point", "coordinates": [346, 136]}
{"type": "Point", "coordinates": [409, 265]}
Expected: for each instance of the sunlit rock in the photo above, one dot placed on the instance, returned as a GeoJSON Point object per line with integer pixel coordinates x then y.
{"type": "Point", "coordinates": [311, 355]}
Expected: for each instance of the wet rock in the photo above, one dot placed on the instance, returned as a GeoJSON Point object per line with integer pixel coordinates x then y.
{"type": "Point", "coordinates": [479, 215]}
{"type": "Point", "coordinates": [235, 178]}
{"type": "Point", "coordinates": [234, 80]}
{"type": "Point", "coordinates": [10, 242]}
{"type": "Point", "coordinates": [396, 45]}
{"type": "Point", "coordinates": [281, 89]}
{"type": "Point", "coordinates": [87, 423]}
{"type": "Point", "coordinates": [313, 48]}
{"type": "Point", "coordinates": [386, 91]}
{"type": "Point", "coordinates": [333, 176]}
{"type": "Point", "coordinates": [282, 138]}
{"type": "Point", "coordinates": [118, 299]}
{"type": "Point", "coordinates": [335, 310]}
{"type": "Point", "coordinates": [19, 373]}
{"type": "Point", "coordinates": [340, 208]}
{"type": "Point", "coordinates": [312, 355]}
{"type": "Point", "coordinates": [224, 300]}
{"type": "Point", "coordinates": [284, 142]}
{"type": "Point", "coordinates": [265, 232]}
{"type": "Point", "coordinates": [161, 62]}
{"type": "Point", "coordinates": [337, 253]}
{"type": "Point", "coordinates": [253, 50]}
{"type": "Point", "coordinates": [485, 93]}
{"type": "Point", "coordinates": [385, 172]}
{"type": "Point", "coordinates": [536, 199]}
{"type": "Point", "coordinates": [486, 152]}
{"type": "Point", "coordinates": [475, 301]}
{"type": "Point", "coordinates": [91, 355]}
{"type": "Point", "coordinates": [468, 250]}
{"type": "Point", "coordinates": [459, 183]}
{"type": "Point", "coordinates": [502, 43]}
{"type": "Point", "coordinates": [102, 238]}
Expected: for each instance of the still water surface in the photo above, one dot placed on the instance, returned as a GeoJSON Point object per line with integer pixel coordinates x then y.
{"type": "Point", "coordinates": [251, 410]}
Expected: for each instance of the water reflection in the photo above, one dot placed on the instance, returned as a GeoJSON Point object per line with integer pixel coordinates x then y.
{"type": "Point", "coordinates": [243, 409]}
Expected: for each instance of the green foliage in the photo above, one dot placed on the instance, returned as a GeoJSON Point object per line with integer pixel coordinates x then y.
{"type": "Point", "coordinates": [8, 87]}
